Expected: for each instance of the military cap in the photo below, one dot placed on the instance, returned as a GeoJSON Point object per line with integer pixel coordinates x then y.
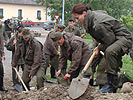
{"type": "Point", "coordinates": [26, 32]}
{"type": "Point", "coordinates": [60, 26]}
{"type": "Point", "coordinates": [56, 36]}
{"type": "Point", "coordinates": [71, 19]}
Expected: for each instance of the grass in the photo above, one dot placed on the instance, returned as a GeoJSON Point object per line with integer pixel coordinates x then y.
{"type": "Point", "coordinates": [127, 62]}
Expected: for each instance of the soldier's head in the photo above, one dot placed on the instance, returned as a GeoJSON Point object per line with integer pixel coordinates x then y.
{"type": "Point", "coordinates": [26, 34]}
{"type": "Point", "coordinates": [79, 12]}
{"type": "Point", "coordinates": [58, 38]}
{"type": "Point", "coordinates": [60, 27]}
{"type": "Point", "coordinates": [71, 22]}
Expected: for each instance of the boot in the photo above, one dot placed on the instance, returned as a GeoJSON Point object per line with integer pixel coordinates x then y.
{"type": "Point", "coordinates": [52, 72]}
{"type": "Point", "coordinates": [109, 86]}
{"type": "Point", "coordinates": [1, 85]}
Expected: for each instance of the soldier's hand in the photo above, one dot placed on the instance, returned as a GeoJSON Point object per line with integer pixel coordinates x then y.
{"type": "Point", "coordinates": [96, 50]}
{"type": "Point", "coordinates": [67, 76]}
{"type": "Point", "coordinates": [30, 76]}
{"type": "Point", "coordinates": [57, 53]}
{"type": "Point", "coordinates": [83, 36]}
{"type": "Point", "coordinates": [14, 42]}
{"type": "Point", "coordinates": [58, 73]}
{"type": "Point", "coordinates": [4, 57]}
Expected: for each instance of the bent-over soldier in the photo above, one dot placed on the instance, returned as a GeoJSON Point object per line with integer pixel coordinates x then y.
{"type": "Point", "coordinates": [34, 59]}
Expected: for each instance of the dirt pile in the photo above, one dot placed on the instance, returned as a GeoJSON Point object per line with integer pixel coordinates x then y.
{"type": "Point", "coordinates": [59, 92]}
{"type": "Point", "coordinates": [51, 92]}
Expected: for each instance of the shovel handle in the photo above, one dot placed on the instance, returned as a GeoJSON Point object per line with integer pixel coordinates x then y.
{"type": "Point", "coordinates": [89, 62]}
{"type": "Point", "coordinates": [20, 79]}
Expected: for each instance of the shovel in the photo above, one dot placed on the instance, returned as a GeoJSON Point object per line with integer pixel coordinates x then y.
{"type": "Point", "coordinates": [80, 84]}
{"type": "Point", "coordinates": [18, 87]}
{"type": "Point", "coordinates": [21, 79]}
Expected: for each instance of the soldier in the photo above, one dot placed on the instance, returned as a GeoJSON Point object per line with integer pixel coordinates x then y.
{"type": "Point", "coordinates": [34, 61]}
{"type": "Point", "coordinates": [73, 29]}
{"type": "Point", "coordinates": [72, 48]}
{"type": "Point", "coordinates": [114, 38]}
{"type": "Point", "coordinates": [1, 56]}
{"type": "Point", "coordinates": [13, 43]}
{"type": "Point", "coordinates": [8, 28]}
{"type": "Point", "coordinates": [50, 50]}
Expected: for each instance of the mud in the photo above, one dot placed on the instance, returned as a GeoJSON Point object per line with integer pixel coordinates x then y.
{"type": "Point", "coordinates": [58, 92]}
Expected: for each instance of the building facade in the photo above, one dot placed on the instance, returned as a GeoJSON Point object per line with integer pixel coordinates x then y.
{"type": "Point", "coordinates": [23, 9]}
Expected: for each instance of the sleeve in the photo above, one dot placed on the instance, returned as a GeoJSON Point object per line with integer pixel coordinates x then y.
{"type": "Point", "coordinates": [16, 56]}
{"type": "Point", "coordinates": [78, 32]}
{"type": "Point", "coordinates": [76, 56]}
{"type": "Point", "coordinates": [105, 35]}
{"type": "Point", "coordinates": [62, 61]}
{"type": "Point", "coordinates": [9, 46]}
{"type": "Point", "coordinates": [53, 46]}
{"type": "Point", "coordinates": [1, 44]}
{"type": "Point", "coordinates": [36, 59]}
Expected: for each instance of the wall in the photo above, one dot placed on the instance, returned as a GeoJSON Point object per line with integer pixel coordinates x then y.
{"type": "Point", "coordinates": [28, 12]}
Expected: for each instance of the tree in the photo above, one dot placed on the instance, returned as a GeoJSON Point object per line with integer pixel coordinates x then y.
{"type": "Point", "coordinates": [115, 8]}
{"type": "Point", "coordinates": [128, 21]}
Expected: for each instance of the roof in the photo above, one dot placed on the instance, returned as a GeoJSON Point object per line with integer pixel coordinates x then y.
{"type": "Point", "coordinates": [20, 2]}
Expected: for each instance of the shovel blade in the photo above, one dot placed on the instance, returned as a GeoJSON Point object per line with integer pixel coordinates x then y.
{"type": "Point", "coordinates": [18, 87]}
{"type": "Point", "coordinates": [78, 87]}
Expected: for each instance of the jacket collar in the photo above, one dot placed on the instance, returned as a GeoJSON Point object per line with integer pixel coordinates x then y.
{"type": "Point", "coordinates": [88, 20]}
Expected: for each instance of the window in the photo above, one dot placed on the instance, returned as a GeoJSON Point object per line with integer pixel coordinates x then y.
{"type": "Point", "coordinates": [1, 13]}
{"type": "Point", "coordinates": [20, 13]}
{"type": "Point", "coordinates": [39, 14]}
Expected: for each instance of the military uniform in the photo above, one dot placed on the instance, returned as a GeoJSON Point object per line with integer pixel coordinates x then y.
{"type": "Point", "coordinates": [73, 30]}
{"type": "Point", "coordinates": [51, 54]}
{"type": "Point", "coordinates": [8, 29]}
{"type": "Point", "coordinates": [115, 42]}
{"type": "Point", "coordinates": [32, 51]}
{"type": "Point", "coordinates": [75, 50]}
{"type": "Point", "coordinates": [11, 47]}
{"type": "Point", "coordinates": [1, 55]}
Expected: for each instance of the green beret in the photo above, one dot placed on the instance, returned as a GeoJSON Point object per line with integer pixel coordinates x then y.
{"type": "Point", "coordinates": [26, 32]}
{"type": "Point", "coordinates": [60, 26]}
{"type": "Point", "coordinates": [56, 36]}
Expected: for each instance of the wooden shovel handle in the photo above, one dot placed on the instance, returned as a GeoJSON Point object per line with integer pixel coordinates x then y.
{"type": "Point", "coordinates": [89, 62]}
{"type": "Point", "coordinates": [20, 79]}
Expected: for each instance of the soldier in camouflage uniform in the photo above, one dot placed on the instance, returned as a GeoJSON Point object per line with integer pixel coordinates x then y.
{"type": "Point", "coordinates": [114, 38]}
{"type": "Point", "coordinates": [72, 48]}
{"type": "Point", "coordinates": [50, 50]}
{"type": "Point", "coordinates": [1, 56]}
{"type": "Point", "coordinates": [32, 51]}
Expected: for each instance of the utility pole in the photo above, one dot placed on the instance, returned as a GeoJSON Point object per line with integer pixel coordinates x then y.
{"type": "Point", "coordinates": [63, 12]}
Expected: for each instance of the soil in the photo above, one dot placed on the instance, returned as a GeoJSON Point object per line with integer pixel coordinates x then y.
{"type": "Point", "coordinates": [58, 92]}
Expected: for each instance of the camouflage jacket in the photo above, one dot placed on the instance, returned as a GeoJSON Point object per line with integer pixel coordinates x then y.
{"type": "Point", "coordinates": [32, 53]}
{"type": "Point", "coordinates": [50, 47]}
{"type": "Point", "coordinates": [107, 30]}
{"type": "Point", "coordinates": [75, 50]}
{"type": "Point", "coordinates": [74, 30]}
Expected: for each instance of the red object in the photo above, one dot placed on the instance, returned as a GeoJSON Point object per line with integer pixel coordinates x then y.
{"type": "Point", "coordinates": [56, 17]}
{"type": "Point", "coordinates": [27, 22]}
